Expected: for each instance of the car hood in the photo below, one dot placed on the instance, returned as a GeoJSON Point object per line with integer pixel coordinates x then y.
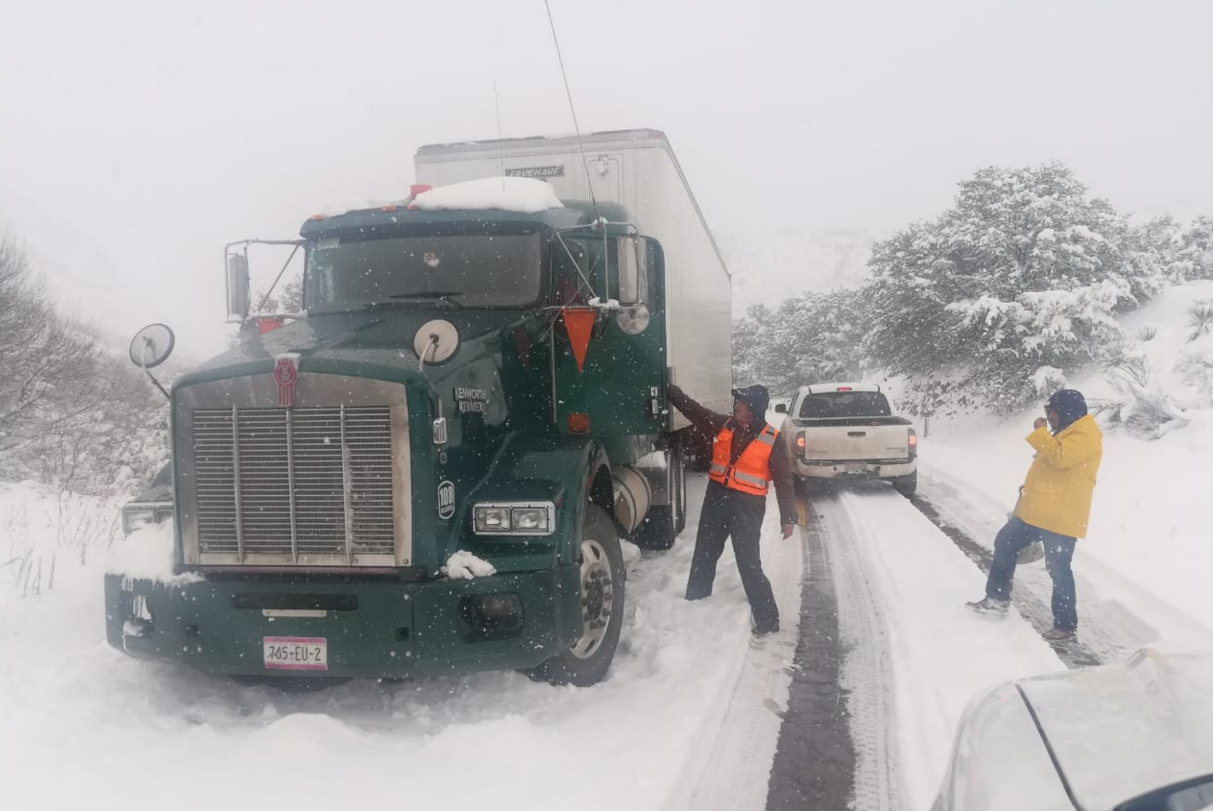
{"type": "Point", "coordinates": [1120, 731]}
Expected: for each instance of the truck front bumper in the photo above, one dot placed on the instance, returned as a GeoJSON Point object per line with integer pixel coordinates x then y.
{"type": "Point", "coordinates": [841, 469]}
{"type": "Point", "coordinates": [372, 628]}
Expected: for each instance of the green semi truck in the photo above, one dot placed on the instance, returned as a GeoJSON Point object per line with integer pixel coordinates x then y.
{"type": "Point", "coordinates": [476, 377]}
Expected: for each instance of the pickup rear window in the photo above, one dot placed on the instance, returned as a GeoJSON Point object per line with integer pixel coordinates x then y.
{"type": "Point", "coordinates": [844, 404]}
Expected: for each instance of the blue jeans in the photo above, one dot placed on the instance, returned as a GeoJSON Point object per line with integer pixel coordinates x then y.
{"type": "Point", "coordinates": [1059, 551]}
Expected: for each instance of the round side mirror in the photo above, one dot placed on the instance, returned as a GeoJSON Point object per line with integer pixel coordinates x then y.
{"type": "Point", "coordinates": [152, 345]}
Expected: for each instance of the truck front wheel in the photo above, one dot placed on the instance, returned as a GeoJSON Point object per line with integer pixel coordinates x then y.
{"type": "Point", "coordinates": [602, 596]}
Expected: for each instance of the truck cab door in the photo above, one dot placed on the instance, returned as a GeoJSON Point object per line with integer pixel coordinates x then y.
{"type": "Point", "coordinates": [619, 387]}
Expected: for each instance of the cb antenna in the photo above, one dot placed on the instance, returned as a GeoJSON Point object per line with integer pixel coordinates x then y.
{"type": "Point", "coordinates": [576, 128]}
{"type": "Point", "coordinates": [500, 153]}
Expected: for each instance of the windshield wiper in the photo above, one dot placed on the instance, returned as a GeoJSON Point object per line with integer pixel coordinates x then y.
{"type": "Point", "coordinates": [445, 296]}
{"type": "Point", "coordinates": [401, 300]}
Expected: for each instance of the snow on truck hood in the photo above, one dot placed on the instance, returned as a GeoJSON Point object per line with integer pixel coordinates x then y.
{"type": "Point", "coordinates": [524, 195]}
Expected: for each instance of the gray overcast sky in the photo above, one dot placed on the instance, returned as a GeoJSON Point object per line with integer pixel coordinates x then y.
{"type": "Point", "coordinates": [136, 138]}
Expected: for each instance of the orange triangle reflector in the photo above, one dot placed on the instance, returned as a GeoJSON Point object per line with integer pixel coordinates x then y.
{"type": "Point", "coordinates": [579, 322]}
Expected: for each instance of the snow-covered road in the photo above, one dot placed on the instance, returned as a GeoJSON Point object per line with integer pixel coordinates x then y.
{"type": "Point", "coordinates": [83, 724]}
{"type": "Point", "coordinates": [690, 717]}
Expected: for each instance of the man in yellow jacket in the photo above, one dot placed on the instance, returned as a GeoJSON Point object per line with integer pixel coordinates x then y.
{"type": "Point", "coordinates": [1054, 506]}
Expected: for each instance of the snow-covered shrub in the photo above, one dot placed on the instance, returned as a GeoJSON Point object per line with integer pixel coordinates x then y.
{"type": "Point", "coordinates": [1200, 320]}
{"type": "Point", "coordinates": [1195, 254]}
{"type": "Point", "coordinates": [1147, 333]}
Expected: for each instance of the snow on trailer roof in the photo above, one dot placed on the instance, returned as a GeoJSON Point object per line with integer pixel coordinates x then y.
{"type": "Point", "coordinates": [517, 194]}
{"type": "Point", "coordinates": [524, 195]}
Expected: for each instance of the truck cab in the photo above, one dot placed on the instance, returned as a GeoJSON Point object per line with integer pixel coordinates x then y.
{"type": "Point", "coordinates": [478, 372]}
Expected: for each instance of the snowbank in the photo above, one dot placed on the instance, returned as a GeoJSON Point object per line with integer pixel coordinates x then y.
{"type": "Point", "coordinates": [522, 194]}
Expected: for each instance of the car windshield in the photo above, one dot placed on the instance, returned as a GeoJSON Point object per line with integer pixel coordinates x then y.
{"type": "Point", "coordinates": [478, 270]}
{"type": "Point", "coordinates": [845, 404]}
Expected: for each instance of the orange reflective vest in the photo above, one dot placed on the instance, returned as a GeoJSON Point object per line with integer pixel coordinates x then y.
{"type": "Point", "coordinates": [751, 473]}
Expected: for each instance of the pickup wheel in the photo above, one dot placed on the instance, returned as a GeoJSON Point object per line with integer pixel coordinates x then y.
{"type": "Point", "coordinates": [906, 485]}
{"type": "Point", "coordinates": [602, 596]}
{"type": "Point", "coordinates": [662, 524]}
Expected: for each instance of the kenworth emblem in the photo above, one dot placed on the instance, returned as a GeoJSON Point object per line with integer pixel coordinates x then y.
{"type": "Point", "coordinates": [286, 373]}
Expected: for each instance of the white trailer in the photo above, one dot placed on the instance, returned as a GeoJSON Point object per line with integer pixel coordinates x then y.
{"type": "Point", "coordinates": [638, 170]}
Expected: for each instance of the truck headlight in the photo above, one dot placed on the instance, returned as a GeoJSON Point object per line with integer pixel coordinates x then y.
{"type": "Point", "coordinates": [514, 518]}
{"type": "Point", "coordinates": [139, 515]}
{"type": "Point", "coordinates": [530, 519]}
{"type": "Point", "coordinates": [492, 519]}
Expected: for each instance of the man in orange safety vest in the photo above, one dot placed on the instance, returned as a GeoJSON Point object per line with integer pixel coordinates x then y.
{"type": "Point", "coordinates": [746, 458]}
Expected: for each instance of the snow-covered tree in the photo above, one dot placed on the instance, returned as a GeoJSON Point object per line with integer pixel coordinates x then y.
{"type": "Point", "coordinates": [70, 414]}
{"type": "Point", "coordinates": [1010, 290]}
{"type": "Point", "coordinates": [809, 339]}
{"type": "Point", "coordinates": [1195, 254]}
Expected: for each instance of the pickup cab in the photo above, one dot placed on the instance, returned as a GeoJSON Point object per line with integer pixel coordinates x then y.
{"type": "Point", "coordinates": [847, 431]}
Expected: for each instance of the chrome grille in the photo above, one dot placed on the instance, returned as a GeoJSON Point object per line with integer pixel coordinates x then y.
{"type": "Point", "coordinates": [294, 482]}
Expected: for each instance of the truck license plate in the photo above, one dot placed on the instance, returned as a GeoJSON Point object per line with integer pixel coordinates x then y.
{"type": "Point", "coordinates": [296, 652]}
{"type": "Point", "coordinates": [854, 468]}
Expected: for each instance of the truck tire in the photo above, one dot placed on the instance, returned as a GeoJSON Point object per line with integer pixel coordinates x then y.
{"type": "Point", "coordinates": [906, 485]}
{"type": "Point", "coordinates": [602, 596]}
{"type": "Point", "coordinates": [662, 524]}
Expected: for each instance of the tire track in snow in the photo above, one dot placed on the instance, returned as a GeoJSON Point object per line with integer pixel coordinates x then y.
{"type": "Point", "coordinates": [815, 760]}
{"type": "Point", "coordinates": [738, 770]}
{"type": "Point", "coordinates": [867, 672]}
{"type": "Point", "coordinates": [1107, 632]}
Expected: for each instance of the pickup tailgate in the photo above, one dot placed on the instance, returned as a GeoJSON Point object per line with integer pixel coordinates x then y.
{"type": "Point", "coordinates": [855, 440]}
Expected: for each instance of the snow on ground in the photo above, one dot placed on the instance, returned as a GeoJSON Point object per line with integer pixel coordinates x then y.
{"type": "Point", "coordinates": [1151, 514]}
{"type": "Point", "coordinates": [83, 724]}
{"type": "Point", "coordinates": [892, 561]}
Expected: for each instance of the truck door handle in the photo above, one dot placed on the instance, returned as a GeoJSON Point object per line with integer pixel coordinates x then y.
{"type": "Point", "coordinates": [857, 433]}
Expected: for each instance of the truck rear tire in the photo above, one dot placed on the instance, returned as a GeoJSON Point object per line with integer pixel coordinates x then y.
{"type": "Point", "coordinates": [602, 603]}
{"type": "Point", "coordinates": [906, 485]}
{"type": "Point", "coordinates": [662, 525]}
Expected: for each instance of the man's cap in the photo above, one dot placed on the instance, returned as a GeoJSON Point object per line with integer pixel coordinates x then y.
{"type": "Point", "coordinates": [1069, 404]}
{"type": "Point", "coordinates": [756, 397]}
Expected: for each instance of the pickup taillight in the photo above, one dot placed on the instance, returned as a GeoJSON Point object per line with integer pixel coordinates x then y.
{"type": "Point", "coordinates": [913, 443]}
{"type": "Point", "coordinates": [800, 441]}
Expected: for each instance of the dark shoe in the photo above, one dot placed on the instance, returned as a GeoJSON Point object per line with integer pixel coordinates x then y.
{"type": "Point", "coordinates": [1059, 635]}
{"type": "Point", "coordinates": [989, 605]}
{"type": "Point", "coordinates": [766, 630]}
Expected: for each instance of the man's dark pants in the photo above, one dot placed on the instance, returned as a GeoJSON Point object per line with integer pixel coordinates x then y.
{"type": "Point", "coordinates": [727, 512]}
{"type": "Point", "coordinates": [1059, 551]}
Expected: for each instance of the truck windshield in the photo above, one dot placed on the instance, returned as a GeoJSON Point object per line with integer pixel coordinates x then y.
{"type": "Point", "coordinates": [466, 270]}
{"type": "Point", "coordinates": [845, 404]}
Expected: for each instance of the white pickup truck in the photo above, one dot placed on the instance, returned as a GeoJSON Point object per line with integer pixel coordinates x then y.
{"type": "Point", "coordinates": [847, 431]}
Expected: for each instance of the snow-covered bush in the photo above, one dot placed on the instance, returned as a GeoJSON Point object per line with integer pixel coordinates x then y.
{"type": "Point", "coordinates": [1200, 320]}
{"type": "Point", "coordinates": [1195, 253]}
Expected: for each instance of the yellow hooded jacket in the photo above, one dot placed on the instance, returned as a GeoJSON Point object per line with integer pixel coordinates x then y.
{"type": "Point", "coordinates": [1057, 493]}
